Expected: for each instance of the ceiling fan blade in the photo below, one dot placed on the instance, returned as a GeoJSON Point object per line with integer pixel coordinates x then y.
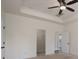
{"type": "Point", "coordinates": [70, 9]}
{"type": "Point", "coordinates": [72, 2]}
{"type": "Point", "coordinates": [60, 12]}
{"type": "Point", "coordinates": [59, 1]}
{"type": "Point", "coordinates": [53, 7]}
{"type": "Point", "coordinates": [64, 2]}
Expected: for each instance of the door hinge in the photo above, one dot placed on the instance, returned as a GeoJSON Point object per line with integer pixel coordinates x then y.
{"type": "Point", "coordinates": [3, 27]}
{"type": "Point", "coordinates": [3, 57]}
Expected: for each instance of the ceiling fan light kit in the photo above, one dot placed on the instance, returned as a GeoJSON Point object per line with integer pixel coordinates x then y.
{"type": "Point", "coordinates": [62, 7]}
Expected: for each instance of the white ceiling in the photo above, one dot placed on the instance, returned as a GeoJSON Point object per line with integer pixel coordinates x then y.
{"type": "Point", "coordinates": [40, 5]}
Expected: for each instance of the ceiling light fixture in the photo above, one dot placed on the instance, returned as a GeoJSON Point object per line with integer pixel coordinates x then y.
{"type": "Point", "coordinates": [62, 7]}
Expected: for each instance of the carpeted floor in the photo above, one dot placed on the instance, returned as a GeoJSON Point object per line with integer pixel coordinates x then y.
{"type": "Point", "coordinates": [55, 56]}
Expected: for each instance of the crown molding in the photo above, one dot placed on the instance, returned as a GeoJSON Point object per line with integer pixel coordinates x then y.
{"type": "Point", "coordinates": [39, 14]}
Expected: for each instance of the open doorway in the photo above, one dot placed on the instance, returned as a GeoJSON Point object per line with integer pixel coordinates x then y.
{"type": "Point", "coordinates": [40, 42]}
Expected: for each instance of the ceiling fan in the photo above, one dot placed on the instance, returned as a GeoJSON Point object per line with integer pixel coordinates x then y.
{"type": "Point", "coordinates": [63, 6]}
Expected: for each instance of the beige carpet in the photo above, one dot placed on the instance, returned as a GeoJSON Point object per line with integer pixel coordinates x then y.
{"type": "Point", "coordinates": [55, 56]}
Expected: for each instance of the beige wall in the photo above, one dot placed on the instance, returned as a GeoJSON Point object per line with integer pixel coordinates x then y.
{"type": "Point", "coordinates": [21, 36]}
{"type": "Point", "coordinates": [72, 28]}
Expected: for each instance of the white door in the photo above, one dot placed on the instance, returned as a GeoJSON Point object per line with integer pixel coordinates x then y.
{"type": "Point", "coordinates": [3, 38]}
